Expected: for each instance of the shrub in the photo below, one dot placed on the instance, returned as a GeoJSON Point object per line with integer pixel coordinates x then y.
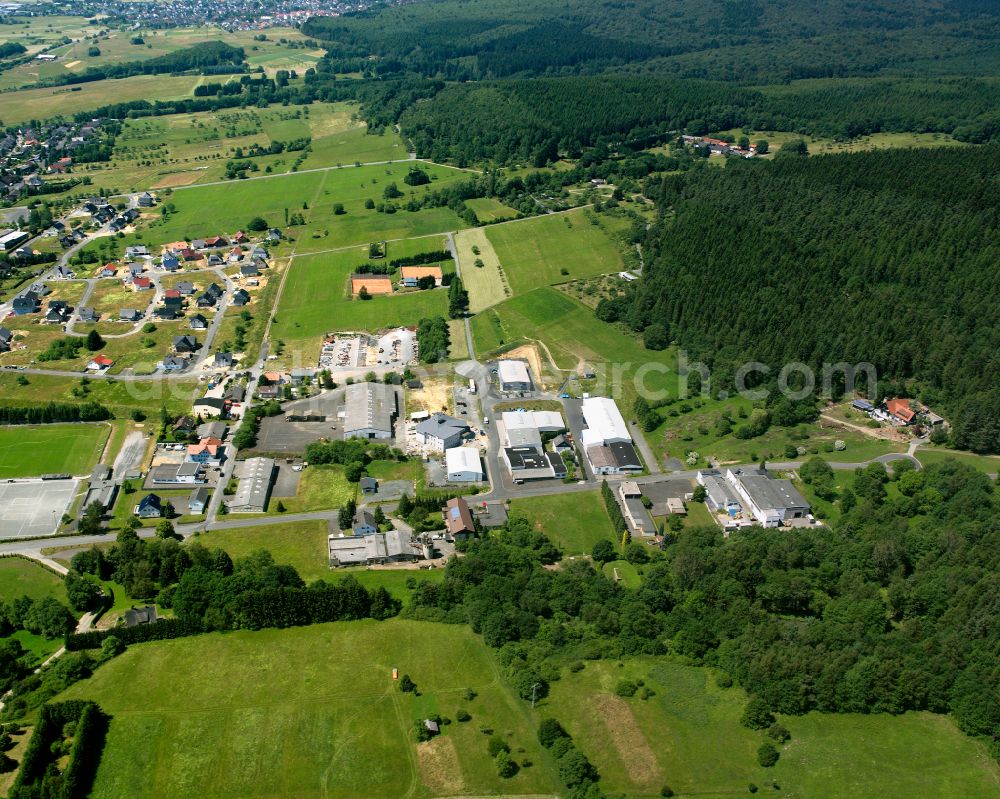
{"type": "Point", "coordinates": [550, 731]}
{"type": "Point", "coordinates": [463, 716]}
{"type": "Point", "coordinates": [767, 755]}
{"type": "Point", "coordinates": [779, 733]}
{"type": "Point", "coordinates": [496, 745]}
{"type": "Point", "coordinates": [406, 685]}
{"type": "Point", "coordinates": [506, 767]}
{"type": "Point", "coordinates": [757, 715]}
{"type": "Point", "coordinates": [666, 790]}
{"type": "Point", "coordinates": [626, 688]}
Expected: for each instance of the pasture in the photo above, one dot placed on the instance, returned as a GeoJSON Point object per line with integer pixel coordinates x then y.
{"type": "Point", "coordinates": [27, 104]}
{"type": "Point", "coordinates": [574, 522]}
{"type": "Point", "coordinates": [556, 248]}
{"type": "Point", "coordinates": [486, 284]}
{"type": "Point", "coordinates": [309, 712]}
{"type": "Point", "coordinates": [231, 205]}
{"type": "Point", "coordinates": [688, 735]}
{"type": "Point", "coordinates": [185, 149]}
{"type": "Point", "coordinates": [33, 450]}
{"type": "Point", "coordinates": [488, 209]}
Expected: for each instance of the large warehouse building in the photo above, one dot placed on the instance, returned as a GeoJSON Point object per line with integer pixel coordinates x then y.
{"type": "Point", "coordinates": [255, 486]}
{"type": "Point", "coordinates": [514, 376]}
{"type": "Point", "coordinates": [369, 410]}
{"type": "Point", "coordinates": [606, 439]}
{"type": "Point", "coordinates": [464, 465]}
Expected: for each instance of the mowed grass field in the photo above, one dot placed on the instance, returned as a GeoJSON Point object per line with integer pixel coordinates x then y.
{"type": "Point", "coordinates": [574, 522]}
{"type": "Point", "coordinates": [534, 252]}
{"type": "Point", "coordinates": [489, 209]}
{"type": "Point", "coordinates": [21, 577]}
{"type": "Point", "coordinates": [120, 397]}
{"type": "Point", "coordinates": [22, 106]}
{"type": "Point", "coordinates": [688, 736]}
{"type": "Point", "coordinates": [486, 284]}
{"type": "Point", "coordinates": [33, 450]}
{"type": "Point", "coordinates": [309, 712]}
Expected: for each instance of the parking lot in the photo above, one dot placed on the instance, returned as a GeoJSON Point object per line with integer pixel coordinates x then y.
{"type": "Point", "coordinates": [34, 508]}
{"type": "Point", "coordinates": [279, 435]}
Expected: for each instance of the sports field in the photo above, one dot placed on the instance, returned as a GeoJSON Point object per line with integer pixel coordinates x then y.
{"type": "Point", "coordinates": [309, 712]}
{"type": "Point", "coordinates": [555, 248]}
{"type": "Point", "coordinates": [574, 522]}
{"type": "Point", "coordinates": [33, 450]}
{"type": "Point", "coordinates": [688, 736]}
{"type": "Point", "coordinates": [316, 299]}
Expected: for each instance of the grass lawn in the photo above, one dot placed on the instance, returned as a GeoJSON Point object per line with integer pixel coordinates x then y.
{"type": "Point", "coordinates": [33, 450]}
{"type": "Point", "coordinates": [627, 574]}
{"type": "Point", "coordinates": [309, 712]}
{"type": "Point", "coordinates": [320, 487]}
{"type": "Point", "coordinates": [489, 209]}
{"type": "Point", "coordinates": [987, 463]}
{"type": "Point", "coordinates": [119, 396]}
{"type": "Point", "coordinates": [486, 284]}
{"type": "Point", "coordinates": [178, 497]}
{"type": "Point", "coordinates": [21, 577]}
{"type": "Point", "coordinates": [688, 735]}
{"type": "Point", "coordinates": [299, 544]}
{"type": "Point", "coordinates": [574, 522]}
{"type": "Point", "coordinates": [533, 252]}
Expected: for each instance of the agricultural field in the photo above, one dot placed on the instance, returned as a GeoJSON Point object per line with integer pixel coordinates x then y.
{"type": "Point", "coordinates": [486, 284]}
{"type": "Point", "coordinates": [687, 735]}
{"type": "Point", "coordinates": [27, 104]}
{"type": "Point", "coordinates": [232, 204]}
{"type": "Point", "coordinates": [33, 450]}
{"type": "Point", "coordinates": [574, 522]}
{"type": "Point", "coordinates": [119, 396]}
{"type": "Point", "coordinates": [555, 248]}
{"type": "Point", "coordinates": [488, 209]}
{"type": "Point", "coordinates": [186, 149]}
{"type": "Point", "coordinates": [335, 725]}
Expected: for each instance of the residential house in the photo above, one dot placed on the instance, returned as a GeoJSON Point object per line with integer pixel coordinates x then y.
{"type": "Point", "coordinates": [129, 315]}
{"type": "Point", "coordinates": [274, 235]}
{"type": "Point", "coordinates": [141, 284]}
{"type": "Point", "coordinates": [458, 521]}
{"type": "Point", "coordinates": [216, 241]}
{"type": "Point", "coordinates": [88, 315]}
{"type": "Point", "coordinates": [26, 303]}
{"type": "Point", "coordinates": [209, 406]}
{"type": "Point", "coordinates": [441, 432]}
{"type": "Point", "coordinates": [174, 363]}
{"type": "Point", "coordinates": [215, 260]}
{"type": "Point", "coordinates": [900, 411]}
{"type": "Point", "coordinates": [137, 251]}
{"type": "Point", "coordinates": [108, 270]}
{"type": "Point", "coordinates": [368, 485]}
{"type": "Point", "coordinates": [249, 270]}
{"type": "Point", "coordinates": [186, 343]}
{"type": "Point", "coordinates": [185, 287]}
{"type": "Point", "coordinates": [412, 275]}
{"type": "Point", "coordinates": [136, 617]}
{"type": "Point", "coordinates": [198, 322]}
{"type": "Point", "coordinates": [6, 339]}
{"type": "Point", "coordinates": [216, 430]}
{"type": "Point", "coordinates": [145, 200]}
{"type": "Point", "coordinates": [149, 507]}
{"type": "Point", "coordinates": [364, 523]}
{"type": "Point", "coordinates": [170, 262]}
{"type": "Point", "coordinates": [241, 297]}
{"type": "Point", "coordinates": [183, 426]}
{"type": "Point", "coordinates": [198, 500]}
{"type": "Point", "coordinates": [166, 313]}
{"type": "Point", "coordinates": [207, 454]}
{"type": "Point", "coordinates": [99, 363]}
{"type": "Point", "coordinates": [223, 360]}
{"type": "Point", "coordinates": [172, 298]}
{"type": "Point", "coordinates": [240, 237]}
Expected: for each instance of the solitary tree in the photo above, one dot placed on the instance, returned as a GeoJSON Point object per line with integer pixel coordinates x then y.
{"type": "Point", "coordinates": [94, 341]}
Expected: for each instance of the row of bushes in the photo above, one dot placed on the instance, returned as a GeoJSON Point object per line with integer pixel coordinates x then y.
{"type": "Point", "coordinates": [421, 258]}
{"type": "Point", "coordinates": [54, 412]}
{"type": "Point", "coordinates": [163, 630]}
{"type": "Point", "coordinates": [614, 511]}
{"type": "Point", "coordinates": [38, 777]}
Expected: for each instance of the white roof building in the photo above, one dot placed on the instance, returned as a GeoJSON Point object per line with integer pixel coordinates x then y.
{"type": "Point", "coordinates": [514, 376]}
{"type": "Point", "coordinates": [463, 465]}
{"type": "Point", "coordinates": [255, 486]}
{"type": "Point", "coordinates": [605, 424]}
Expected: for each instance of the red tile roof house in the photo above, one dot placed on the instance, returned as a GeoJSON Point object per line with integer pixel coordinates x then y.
{"type": "Point", "coordinates": [99, 362]}
{"type": "Point", "coordinates": [141, 283]}
{"type": "Point", "coordinates": [240, 237]}
{"type": "Point", "coordinates": [900, 408]}
{"type": "Point", "coordinates": [190, 255]}
{"type": "Point", "coordinates": [216, 241]}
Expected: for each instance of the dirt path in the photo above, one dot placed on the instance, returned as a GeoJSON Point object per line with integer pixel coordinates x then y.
{"type": "Point", "coordinates": [631, 745]}
{"type": "Point", "coordinates": [871, 432]}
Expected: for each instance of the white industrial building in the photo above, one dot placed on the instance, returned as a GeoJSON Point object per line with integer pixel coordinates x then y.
{"type": "Point", "coordinates": [770, 501]}
{"type": "Point", "coordinates": [525, 428]}
{"type": "Point", "coordinates": [255, 486]}
{"type": "Point", "coordinates": [389, 547]}
{"type": "Point", "coordinates": [606, 439]}
{"type": "Point", "coordinates": [514, 376]}
{"type": "Point", "coordinates": [440, 431]}
{"type": "Point", "coordinates": [369, 410]}
{"type": "Point", "coordinates": [463, 465]}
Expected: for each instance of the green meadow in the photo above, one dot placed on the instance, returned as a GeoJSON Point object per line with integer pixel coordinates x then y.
{"type": "Point", "coordinates": [206, 210]}
{"type": "Point", "coordinates": [22, 577]}
{"type": "Point", "coordinates": [555, 248]}
{"type": "Point", "coordinates": [309, 712]}
{"type": "Point", "coordinates": [687, 735]}
{"type": "Point", "coordinates": [33, 450]}
{"type": "Point", "coordinates": [120, 396]}
{"type": "Point", "coordinates": [574, 522]}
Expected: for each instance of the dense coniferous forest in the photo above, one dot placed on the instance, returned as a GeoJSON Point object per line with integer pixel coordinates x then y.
{"type": "Point", "coordinates": [744, 40]}
{"type": "Point", "coordinates": [884, 257]}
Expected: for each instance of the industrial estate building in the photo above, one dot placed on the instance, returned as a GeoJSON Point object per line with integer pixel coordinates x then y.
{"type": "Point", "coordinates": [255, 486]}
{"type": "Point", "coordinates": [514, 376]}
{"type": "Point", "coordinates": [523, 448]}
{"type": "Point", "coordinates": [754, 495]}
{"type": "Point", "coordinates": [369, 410]}
{"type": "Point", "coordinates": [463, 465]}
{"type": "Point", "coordinates": [606, 439]}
